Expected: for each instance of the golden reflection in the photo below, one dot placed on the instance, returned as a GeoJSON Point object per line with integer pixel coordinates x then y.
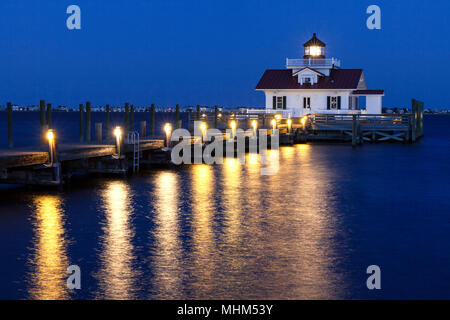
{"type": "Point", "coordinates": [48, 278]}
{"type": "Point", "coordinates": [232, 199]}
{"type": "Point", "coordinates": [168, 255]}
{"type": "Point", "coordinates": [203, 238]}
{"type": "Point", "coordinates": [304, 211]}
{"type": "Point", "coordinates": [116, 276]}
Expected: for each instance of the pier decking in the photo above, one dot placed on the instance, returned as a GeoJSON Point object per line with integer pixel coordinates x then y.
{"type": "Point", "coordinates": [32, 165]}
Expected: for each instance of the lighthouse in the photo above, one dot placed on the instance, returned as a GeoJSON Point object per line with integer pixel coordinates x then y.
{"type": "Point", "coordinates": [317, 84]}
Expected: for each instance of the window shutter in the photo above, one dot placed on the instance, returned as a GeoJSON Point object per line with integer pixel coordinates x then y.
{"type": "Point", "coordinates": [328, 103]}
{"type": "Point", "coordinates": [274, 104]}
{"type": "Point", "coordinates": [284, 102]}
{"type": "Point", "coordinates": [339, 102]}
{"type": "Point", "coordinates": [304, 102]}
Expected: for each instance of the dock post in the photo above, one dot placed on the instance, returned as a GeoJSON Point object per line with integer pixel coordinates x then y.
{"type": "Point", "coordinates": [177, 117]}
{"type": "Point", "coordinates": [88, 121]}
{"type": "Point", "coordinates": [98, 131]}
{"type": "Point", "coordinates": [131, 129]}
{"type": "Point", "coordinates": [42, 120]}
{"type": "Point", "coordinates": [49, 115]}
{"type": "Point", "coordinates": [10, 129]}
{"type": "Point", "coordinates": [197, 113]}
{"type": "Point", "coordinates": [152, 120]}
{"type": "Point", "coordinates": [107, 122]}
{"type": "Point", "coordinates": [81, 129]}
{"type": "Point", "coordinates": [126, 121]}
{"type": "Point", "coordinates": [143, 129]}
{"type": "Point", "coordinates": [216, 115]}
{"type": "Point", "coordinates": [354, 129]}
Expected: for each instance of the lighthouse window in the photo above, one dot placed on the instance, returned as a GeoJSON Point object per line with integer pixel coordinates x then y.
{"type": "Point", "coordinates": [307, 80]}
{"type": "Point", "coordinates": [333, 102]}
{"type": "Point", "coordinates": [279, 102]}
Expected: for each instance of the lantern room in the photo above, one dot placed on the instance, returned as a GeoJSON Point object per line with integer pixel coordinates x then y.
{"type": "Point", "coordinates": [314, 48]}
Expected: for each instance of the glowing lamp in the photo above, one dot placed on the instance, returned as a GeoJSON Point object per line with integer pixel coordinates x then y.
{"type": "Point", "coordinates": [50, 135]}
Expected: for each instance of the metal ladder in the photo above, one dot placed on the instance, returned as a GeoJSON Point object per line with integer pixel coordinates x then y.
{"type": "Point", "coordinates": [133, 138]}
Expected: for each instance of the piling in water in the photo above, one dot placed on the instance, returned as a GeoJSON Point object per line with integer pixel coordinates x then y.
{"type": "Point", "coordinates": [197, 113]}
{"type": "Point", "coordinates": [131, 119]}
{"type": "Point", "coordinates": [10, 132]}
{"type": "Point", "coordinates": [143, 129]}
{"type": "Point", "coordinates": [177, 116]}
{"type": "Point", "coordinates": [42, 120]}
{"type": "Point", "coordinates": [216, 115]}
{"type": "Point", "coordinates": [152, 120]}
{"type": "Point", "coordinates": [126, 121]}
{"type": "Point", "coordinates": [81, 129]}
{"type": "Point", "coordinates": [107, 121]}
{"type": "Point", "coordinates": [88, 121]}
{"type": "Point", "coordinates": [49, 116]}
{"type": "Point", "coordinates": [98, 131]}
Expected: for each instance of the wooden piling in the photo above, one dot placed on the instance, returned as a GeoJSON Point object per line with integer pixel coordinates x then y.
{"type": "Point", "coordinates": [10, 128]}
{"type": "Point", "coordinates": [107, 121]}
{"type": "Point", "coordinates": [354, 129]}
{"type": "Point", "coordinates": [42, 120]}
{"type": "Point", "coordinates": [143, 129]}
{"type": "Point", "coordinates": [131, 118]}
{"type": "Point", "coordinates": [98, 131]}
{"type": "Point", "coordinates": [126, 121]}
{"type": "Point", "coordinates": [216, 116]}
{"type": "Point", "coordinates": [177, 117]}
{"type": "Point", "coordinates": [197, 113]}
{"type": "Point", "coordinates": [88, 121]}
{"type": "Point", "coordinates": [49, 115]}
{"type": "Point", "coordinates": [152, 120]}
{"type": "Point", "coordinates": [81, 127]}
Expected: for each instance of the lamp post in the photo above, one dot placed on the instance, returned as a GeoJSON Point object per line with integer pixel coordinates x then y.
{"type": "Point", "coordinates": [51, 146]}
{"type": "Point", "coordinates": [118, 135]}
{"type": "Point", "coordinates": [203, 128]}
{"type": "Point", "coordinates": [168, 131]}
{"type": "Point", "coordinates": [255, 127]}
{"type": "Point", "coordinates": [233, 128]}
{"type": "Point", "coordinates": [289, 124]}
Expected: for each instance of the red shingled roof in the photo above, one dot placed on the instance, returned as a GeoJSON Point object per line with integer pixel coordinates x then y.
{"type": "Point", "coordinates": [283, 79]}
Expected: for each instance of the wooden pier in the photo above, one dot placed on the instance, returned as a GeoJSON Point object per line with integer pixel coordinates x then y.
{"type": "Point", "coordinates": [353, 128]}
{"type": "Point", "coordinates": [33, 166]}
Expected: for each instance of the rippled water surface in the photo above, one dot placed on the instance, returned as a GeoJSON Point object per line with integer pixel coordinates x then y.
{"type": "Point", "coordinates": [226, 231]}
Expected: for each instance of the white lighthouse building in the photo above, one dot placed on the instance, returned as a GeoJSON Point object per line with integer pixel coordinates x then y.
{"type": "Point", "coordinates": [316, 84]}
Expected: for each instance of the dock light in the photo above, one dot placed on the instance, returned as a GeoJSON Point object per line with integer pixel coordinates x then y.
{"type": "Point", "coordinates": [203, 128]}
{"type": "Point", "coordinates": [233, 128]}
{"type": "Point", "coordinates": [289, 123]}
{"type": "Point", "coordinates": [203, 115]}
{"type": "Point", "coordinates": [255, 126]}
{"type": "Point", "coordinates": [168, 131]}
{"type": "Point", "coordinates": [51, 145]}
{"type": "Point", "coordinates": [274, 124]}
{"type": "Point", "coordinates": [118, 134]}
{"type": "Point", "coordinates": [278, 116]}
{"type": "Point", "coordinates": [50, 135]}
{"type": "Point", "coordinates": [303, 120]}
{"type": "Point", "coordinates": [219, 115]}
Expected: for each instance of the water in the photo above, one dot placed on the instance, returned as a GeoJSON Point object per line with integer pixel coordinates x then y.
{"type": "Point", "coordinates": [225, 231]}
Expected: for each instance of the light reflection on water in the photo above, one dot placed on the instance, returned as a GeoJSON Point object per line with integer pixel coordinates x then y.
{"type": "Point", "coordinates": [117, 275]}
{"type": "Point", "coordinates": [223, 231]}
{"type": "Point", "coordinates": [47, 279]}
{"type": "Point", "coordinates": [167, 250]}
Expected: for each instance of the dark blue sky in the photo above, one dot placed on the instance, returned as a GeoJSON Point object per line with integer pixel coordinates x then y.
{"type": "Point", "coordinates": [213, 52]}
